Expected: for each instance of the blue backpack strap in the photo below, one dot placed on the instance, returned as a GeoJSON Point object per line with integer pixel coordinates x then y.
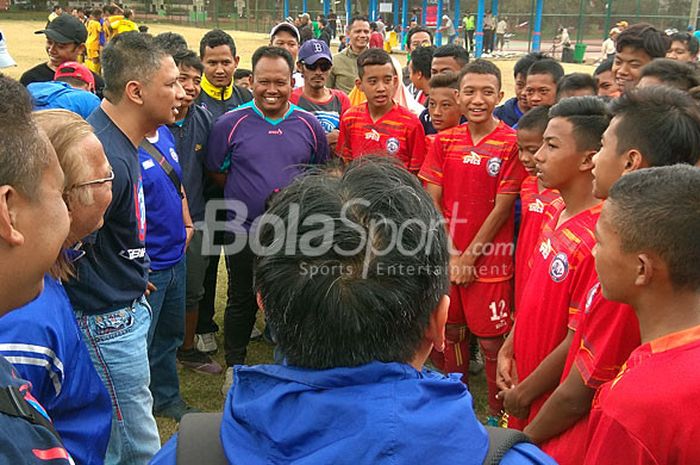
{"type": "Point", "coordinates": [199, 440]}
{"type": "Point", "coordinates": [501, 440]}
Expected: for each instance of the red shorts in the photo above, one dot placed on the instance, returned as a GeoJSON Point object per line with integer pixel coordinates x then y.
{"type": "Point", "coordinates": [485, 307]}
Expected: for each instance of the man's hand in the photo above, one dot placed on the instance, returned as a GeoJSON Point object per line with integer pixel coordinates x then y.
{"type": "Point", "coordinates": [189, 233]}
{"type": "Point", "coordinates": [150, 287]}
{"type": "Point", "coordinates": [332, 137]}
{"type": "Point", "coordinates": [462, 270]}
{"type": "Point", "coordinates": [506, 371]}
{"type": "Point", "coordinates": [513, 404]}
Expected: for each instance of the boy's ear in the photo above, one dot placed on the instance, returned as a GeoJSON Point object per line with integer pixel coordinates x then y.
{"type": "Point", "coordinates": [587, 162]}
{"type": "Point", "coordinates": [634, 161]}
{"type": "Point", "coordinates": [500, 97]}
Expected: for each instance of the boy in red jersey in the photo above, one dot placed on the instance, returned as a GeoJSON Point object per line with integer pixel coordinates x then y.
{"type": "Point", "coordinates": [532, 359]}
{"type": "Point", "coordinates": [474, 176]}
{"type": "Point", "coordinates": [647, 256]}
{"type": "Point", "coordinates": [534, 196]}
{"type": "Point", "coordinates": [650, 127]}
{"type": "Point", "coordinates": [443, 107]}
{"type": "Point", "coordinates": [380, 126]}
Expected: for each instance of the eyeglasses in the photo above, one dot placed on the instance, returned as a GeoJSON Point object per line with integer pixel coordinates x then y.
{"type": "Point", "coordinates": [109, 178]}
{"type": "Point", "coordinates": [324, 65]}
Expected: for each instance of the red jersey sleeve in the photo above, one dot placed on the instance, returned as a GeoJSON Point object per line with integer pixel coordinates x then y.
{"type": "Point", "coordinates": [294, 96]}
{"type": "Point", "coordinates": [416, 141]}
{"type": "Point", "coordinates": [432, 169]}
{"type": "Point", "coordinates": [342, 147]}
{"type": "Point", "coordinates": [512, 174]}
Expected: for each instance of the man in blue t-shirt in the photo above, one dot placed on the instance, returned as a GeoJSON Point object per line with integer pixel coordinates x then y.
{"type": "Point", "coordinates": [111, 280]}
{"type": "Point", "coordinates": [170, 228]}
{"type": "Point", "coordinates": [34, 222]}
{"type": "Point", "coordinates": [253, 151]}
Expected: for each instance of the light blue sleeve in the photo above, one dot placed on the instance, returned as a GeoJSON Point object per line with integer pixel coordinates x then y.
{"type": "Point", "coordinates": [527, 454]}
{"type": "Point", "coordinates": [167, 455]}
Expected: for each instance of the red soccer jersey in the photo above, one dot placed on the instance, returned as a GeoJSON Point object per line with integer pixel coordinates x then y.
{"type": "Point", "coordinates": [398, 134]}
{"type": "Point", "coordinates": [645, 415]}
{"type": "Point", "coordinates": [471, 175]}
{"type": "Point", "coordinates": [533, 204]}
{"type": "Point", "coordinates": [607, 333]}
{"type": "Point", "coordinates": [561, 275]}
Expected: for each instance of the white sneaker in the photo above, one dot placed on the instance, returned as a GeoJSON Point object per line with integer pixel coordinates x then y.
{"type": "Point", "coordinates": [228, 382]}
{"type": "Point", "coordinates": [206, 343]}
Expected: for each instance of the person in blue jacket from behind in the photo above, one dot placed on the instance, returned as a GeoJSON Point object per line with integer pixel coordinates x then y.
{"type": "Point", "coordinates": [352, 275]}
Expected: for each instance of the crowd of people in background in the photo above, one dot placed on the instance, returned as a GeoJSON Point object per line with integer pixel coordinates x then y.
{"type": "Point", "coordinates": [561, 243]}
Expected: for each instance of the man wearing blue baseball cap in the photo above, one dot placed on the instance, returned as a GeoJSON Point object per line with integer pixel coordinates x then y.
{"type": "Point", "coordinates": [314, 62]}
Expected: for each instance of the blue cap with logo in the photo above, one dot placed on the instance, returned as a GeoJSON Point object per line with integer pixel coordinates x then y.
{"type": "Point", "coordinates": [313, 50]}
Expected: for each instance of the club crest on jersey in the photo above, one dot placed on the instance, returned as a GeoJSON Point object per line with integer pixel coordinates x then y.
{"type": "Point", "coordinates": [559, 268]}
{"type": "Point", "coordinates": [372, 135]}
{"type": "Point", "coordinates": [536, 207]}
{"type": "Point", "coordinates": [493, 166]}
{"type": "Point", "coordinates": [173, 154]}
{"type": "Point", "coordinates": [546, 248]}
{"type": "Point", "coordinates": [472, 159]}
{"type": "Point", "coordinates": [392, 145]}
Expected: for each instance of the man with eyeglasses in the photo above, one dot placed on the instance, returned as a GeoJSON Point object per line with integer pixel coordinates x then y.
{"type": "Point", "coordinates": [327, 105]}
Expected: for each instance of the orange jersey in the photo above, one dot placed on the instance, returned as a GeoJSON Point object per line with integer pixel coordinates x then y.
{"type": "Point", "coordinates": [471, 175]}
{"type": "Point", "coordinates": [533, 204]}
{"type": "Point", "coordinates": [398, 134]}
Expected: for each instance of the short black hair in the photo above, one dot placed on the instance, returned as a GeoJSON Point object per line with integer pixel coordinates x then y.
{"type": "Point", "coordinates": [662, 123]}
{"type": "Point", "coordinates": [606, 65]}
{"type": "Point", "coordinates": [457, 52]}
{"type": "Point", "coordinates": [241, 73]}
{"type": "Point", "coordinates": [524, 63]}
{"type": "Point", "coordinates": [344, 306]}
{"type": "Point", "coordinates": [535, 119]}
{"type": "Point", "coordinates": [216, 38]}
{"type": "Point", "coordinates": [171, 42]}
{"type": "Point", "coordinates": [189, 59]}
{"type": "Point", "coordinates": [658, 210]}
{"type": "Point", "coordinates": [547, 66]}
{"type": "Point", "coordinates": [588, 115]}
{"type": "Point", "coordinates": [267, 51]}
{"type": "Point", "coordinates": [689, 40]}
{"type": "Point", "coordinates": [481, 66]}
{"type": "Point", "coordinates": [678, 74]}
{"type": "Point", "coordinates": [373, 26]}
{"type": "Point", "coordinates": [372, 57]}
{"type": "Point", "coordinates": [445, 80]}
{"type": "Point", "coordinates": [644, 36]}
{"type": "Point", "coordinates": [421, 58]}
{"type": "Point", "coordinates": [131, 56]}
{"type": "Point", "coordinates": [355, 19]}
{"type": "Point", "coordinates": [576, 81]}
{"type": "Point", "coordinates": [415, 30]}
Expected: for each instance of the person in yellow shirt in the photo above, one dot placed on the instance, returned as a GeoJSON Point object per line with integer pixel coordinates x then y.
{"type": "Point", "coordinates": [92, 44]}
{"type": "Point", "coordinates": [113, 14]}
{"type": "Point", "coordinates": [126, 24]}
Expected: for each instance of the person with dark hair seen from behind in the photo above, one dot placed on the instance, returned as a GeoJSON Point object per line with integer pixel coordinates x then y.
{"type": "Point", "coordinates": [416, 37]}
{"type": "Point", "coordinates": [605, 80]}
{"type": "Point", "coordinates": [219, 94]}
{"type": "Point", "coordinates": [328, 105]}
{"type": "Point", "coordinates": [541, 82]}
{"type": "Point", "coordinates": [108, 292]}
{"type": "Point", "coordinates": [684, 47]}
{"type": "Point", "coordinates": [171, 42]}
{"type": "Point", "coordinates": [376, 39]}
{"type": "Point", "coordinates": [650, 127]}
{"type": "Point", "coordinates": [373, 326]}
{"type": "Point", "coordinates": [513, 108]}
{"type": "Point", "coordinates": [419, 70]}
{"type": "Point", "coordinates": [34, 223]}
{"type": "Point", "coordinates": [344, 71]}
{"type": "Point", "coordinates": [244, 157]}
{"type": "Point", "coordinates": [448, 58]}
{"type": "Point", "coordinates": [667, 72]}
{"type": "Point", "coordinates": [576, 85]}
{"type": "Point", "coordinates": [380, 126]}
{"type": "Point", "coordinates": [473, 174]}
{"type": "Point", "coordinates": [646, 257]}
{"type": "Point", "coordinates": [636, 46]}
{"type": "Point", "coordinates": [66, 383]}
{"type": "Point", "coordinates": [65, 41]}
{"type": "Point", "coordinates": [532, 359]}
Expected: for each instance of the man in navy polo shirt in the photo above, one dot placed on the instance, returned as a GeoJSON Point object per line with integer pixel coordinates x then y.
{"type": "Point", "coordinates": [142, 93]}
{"type": "Point", "coordinates": [256, 149]}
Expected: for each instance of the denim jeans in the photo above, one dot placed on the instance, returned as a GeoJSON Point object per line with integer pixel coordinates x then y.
{"type": "Point", "coordinates": [166, 333]}
{"type": "Point", "coordinates": [116, 341]}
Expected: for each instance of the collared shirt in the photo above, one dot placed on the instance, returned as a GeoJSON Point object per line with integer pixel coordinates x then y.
{"type": "Point", "coordinates": [344, 71]}
{"type": "Point", "coordinates": [220, 100]}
